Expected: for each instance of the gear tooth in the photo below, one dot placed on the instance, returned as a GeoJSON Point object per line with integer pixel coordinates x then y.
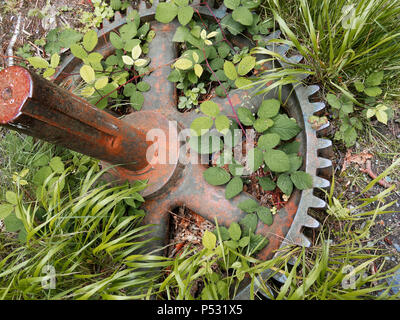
{"type": "Point", "coordinates": [304, 241]}
{"type": "Point", "coordinates": [318, 106]}
{"type": "Point", "coordinates": [282, 49]}
{"type": "Point", "coordinates": [274, 35]}
{"type": "Point", "coordinates": [324, 143]}
{"type": "Point", "coordinates": [321, 183]}
{"type": "Point", "coordinates": [317, 203]}
{"type": "Point", "coordinates": [310, 222]}
{"type": "Point", "coordinates": [326, 125]}
{"type": "Point", "coordinates": [312, 89]}
{"type": "Point", "coordinates": [324, 163]}
{"type": "Point", "coordinates": [302, 76]}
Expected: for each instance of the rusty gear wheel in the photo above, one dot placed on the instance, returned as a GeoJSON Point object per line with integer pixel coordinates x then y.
{"type": "Point", "coordinates": [177, 185]}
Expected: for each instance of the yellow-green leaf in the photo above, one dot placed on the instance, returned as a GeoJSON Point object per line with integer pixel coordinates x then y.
{"type": "Point", "coordinates": [128, 60]}
{"type": "Point", "coordinates": [55, 60]}
{"type": "Point", "coordinates": [136, 52]}
{"type": "Point", "coordinates": [38, 62]}
{"type": "Point", "coordinates": [198, 70]}
{"type": "Point", "coordinates": [101, 83]}
{"type": "Point", "coordinates": [183, 64]}
{"type": "Point", "coordinates": [90, 40]}
{"type": "Point", "coordinates": [87, 74]}
{"type": "Point", "coordinates": [209, 240]}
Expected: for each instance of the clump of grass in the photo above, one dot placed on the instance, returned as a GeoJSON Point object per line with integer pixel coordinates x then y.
{"type": "Point", "coordinates": [87, 244]}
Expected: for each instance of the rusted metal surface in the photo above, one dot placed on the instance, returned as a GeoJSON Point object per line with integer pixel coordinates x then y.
{"type": "Point", "coordinates": [46, 111]}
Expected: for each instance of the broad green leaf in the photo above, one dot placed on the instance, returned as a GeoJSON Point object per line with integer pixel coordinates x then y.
{"type": "Point", "coordinates": [57, 165]}
{"type": "Point", "coordinates": [13, 224]}
{"type": "Point", "coordinates": [236, 169]}
{"type": "Point", "coordinates": [128, 31]}
{"type": "Point", "coordinates": [244, 242]}
{"type": "Point", "coordinates": [285, 127]}
{"type": "Point", "coordinates": [265, 215]}
{"type": "Point", "coordinates": [243, 16]}
{"type": "Point", "coordinates": [143, 86]}
{"type": "Point", "coordinates": [266, 183]}
{"type": "Point", "coordinates": [232, 4]}
{"type": "Point", "coordinates": [382, 116]}
{"type": "Point", "coordinates": [223, 50]}
{"type": "Point", "coordinates": [301, 180]}
{"type": "Point", "coordinates": [183, 64]}
{"type": "Point", "coordinates": [216, 176]}
{"type": "Point", "coordinates": [234, 231]}
{"type": "Point", "coordinates": [206, 144]}
{"type": "Point", "coordinates": [249, 223]}
{"type": "Point", "coordinates": [223, 232]}
{"type": "Point", "coordinates": [233, 188]}
{"type": "Point", "coordinates": [198, 70]}
{"type": "Point", "coordinates": [248, 205]}
{"type": "Point", "coordinates": [262, 125]}
{"type": "Point", "coordinates": [246, 65]}
{"type": "Point", "coordinates": [285, 184]}
{"type": "Point", "coordinates": [295, 162]}
{"type": "Point", "coordinates": [88, 91]}
{"type": "Point", "coordinates": [137, 100]}
{"type": "Point", "coordinates": [230, 70]}
{"type": "Point", "coordinates": [49, 72]}
{"type": "Point", "coordinates": [141, 62]}
{"type": "Point", "coordinates": [222, 123]}
{"type": "Point", "coordinates": [269, 109]}
{"type": "Point", "coordinates": [245, 116]}
{"type": "Point", "coordinates": [371, 112]}
{"type": "Point", "coordinates": [130, 44]}
{"type": "Point", "coordinates": [101, 83]}
{"type": "Point", "coordinates": [90, 40]}
{"type": "Point", "coordinates": [255, 159]}
{"type": "Point", "coordinates": [209, 240]}
{"type": "Point", "coordinates": [210, 108]}
{"type": "Point", "coordinates": [41, 175]}
{"type": "Point", "coordinates": [55, 60]}
{"type": "Point", "coordinates": [166, 12]}
{"type": "Point", "coordinates": [116, 41]}
{"type": "Point", "coordinates": [291, 147]}
{"type": "Point", "coordinates": [5, 210]}
{"type": "Point", "coordinates": [181, 34]}
{"type": "Point", "coordinates": [136, 52]}
{"type": "Point", "coordinates": [185, 14]}
{"type": "Point", "coordinates": [201, 125]}
{"type": "Point", "coordinates": [333, 101]}
{"type": "Point", "coordinates": [78, 51]}
{"type": "Point", "coordinates": [38, 62]}
{"type": "Point", "coordinates": [11, 197]}
{"type": "Point", "coordinates": [359, 86]}
{"type": "Point", "coordinates": [87, 74]}
{"type": "Point", "coordinates": [94, 57]}
{"type": "Point", "coordinates": [41, 160]}
{"type": "Point", "coordinates": [268, 141]}
{"type": "Point", "coordinates": [277, 160]}
{"type": "Point", "coordinates": [128, 60]}
{"type": "Point", "coordinates": [243, 83]}
{"type": "Point", "coordinates": [373, 91]}
{"type": "Point", "coordinates": [374, 79]}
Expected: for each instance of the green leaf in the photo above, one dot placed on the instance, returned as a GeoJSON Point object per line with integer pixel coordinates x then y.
{"type": "Point", "coordinates": [268, 141]}
{"type": "Point", "coordinates": [128, 60]}
{"type": "Point", "coordinates": [87, 74]}
{"type": "Point", "coordinates": [232, 4]}
{"type": "Point", "coordinates": [373, 91]}
{"type": "Point", "coordinates": [13, 224]}
{"type": "Point", "coordinates": [38, 62]}
{"type": "Point", "coordinates": [234, 187]}
{"type": "Point", "coordinates": [210, 108]}
{"type": "Point", "coordinates": [234, 231]}
{"type": "Point", "coordinates": [198, 70]}
{"type": "Point", "coordinates": [333, 101]}
{"type": "Point", "coordinates": [49, 72]}
{"type": "Point", "coordinates": [41, 175]}
{"type": "Point", "coordinates": [371, 112]}
{"type": "Point", "coordinates": [183, 64]}
{"type": "Point", "coordinates": [291, 147]}
{"type": "Point", "coordinates": [216, 176]}
{"type": "Point", "coordinates": [359, 86]}
{"type": "Point", "coordinates": [265, 215]}
{"type": "Point", "coordinates": [266, 183]}
{"type": "Point", "coordinates": [246, 65]}
{"type": "Point", "coordinates": [78, 51]}
{"type": "Point", "coordinates": [223, 50]}
{"type": "Point", "coordinates": [116, 41]}
{"type": "Point", "coordinates": [262, 125]}
{"type": "Point", "coordinates": [230, 70]}
{"type": "Point", "coordinates": [94, 57]}
{"type": "Point", "coordinates": [128, 31]}
{"type": "Point", "coordinates": [244, 242]}
{"type": "Point", "coordinates": [236, 169]}
{"type": "Point", "coordinates": [201, 125]}
{"type": "Point", "coordinates": [69, 37]}
{"type": "Point", "coordinates": [301, 180]}
{"type": "Point", "coordinates": [137, 100]}
{"type": "Point", "coordinates": [269, 109]}
{"type": "Point", "coordinates": [222, 124]}
{"type": "Point", "coordinates": [223, 232]}
{"type": "Point", "coordinates": [295, 162]}
{"type": "Point", "coordinates": [285, 184]}
{"type": "Point", "coordinates": [243, 16]}
{"type": "Point", "coordinates": [255, 159]}
{"type": "Point", "coordinates": [101, 83]}
{"type": "Point", "coordinates": [206, 144]}
{"type": "Point", "coordinates": [5, 210]}
{"type": "Point", "coordinates": [233, 27]}
{"type": "Point", "coordinates": [374, 79]}
{"type": "Point", "coordinates": [136, 52]}
{"type": "Point", "coordinates": [249, 223]}
{"type": "Point", "coordinates": [55, 60]}
{"type": "Point", "coordinates": [166, 12]}
{"type": "Point", "coordinates": [57, 165]}
{"type": "Point", "coordinates": [209, 240]}
{"type": "Point", "coordinates": [90, 40]}
{"type": "Point", "coordinates": [41, 160]}
{"type": "Point", "coordinates": [243, 82]}
{"type": "Point", "coordinates": [283, 126]}
{"type": "Point", "coordinates": [277, 160]}
{"type": "Point", "coordinates": [382, 116]}
{"type": "Point", "coordinates": [143, 86]}
{"type": "Point", "coordinates": [11, 197]}
{"type": "Point", "coordinates": [180, 34]}
{"type": "Point", "coordinates": [185, 14]}
{"type": "Point", "coordinates": [245, 116]}
{"type": "Point", "coordinates": [248, 205]}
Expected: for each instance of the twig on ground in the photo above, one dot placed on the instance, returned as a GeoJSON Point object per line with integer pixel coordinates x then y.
{"type": "Point", "coordinates": [369, 171]}
{"type": "Point", "coordinates": [11, 44]}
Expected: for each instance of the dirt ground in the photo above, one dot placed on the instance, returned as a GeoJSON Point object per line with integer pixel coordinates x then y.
{"type": "Point", "coordinates": [349, 182]}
